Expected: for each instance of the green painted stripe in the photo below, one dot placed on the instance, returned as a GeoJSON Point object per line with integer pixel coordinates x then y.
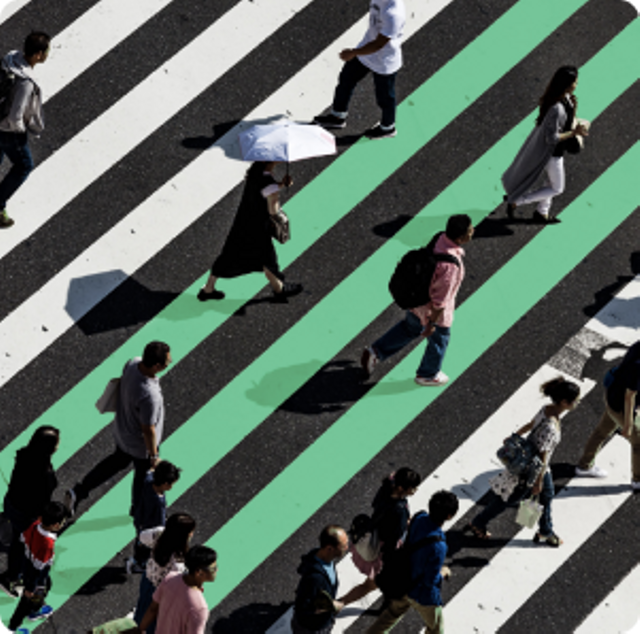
{"type": "Point", "coordinates": [186, 323]}
{"type": "Point", "coordinates": [352, 441]}
{"type": "Point", "coordinates": [313, 337]}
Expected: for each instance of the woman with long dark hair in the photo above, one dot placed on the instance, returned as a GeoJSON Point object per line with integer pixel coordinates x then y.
{"type": "Point", "coordinates": [544, 148]}
{"type": "Point", "coordinates": [545, 433]}
{"type": "Point", "coordinates": [32, 484]}
{"type": "Point", "coordinates": [249, 245]}
{"type": "Point", "coordinates": [169, 546]}
{"type": "Point", "coordinates": [390, 519]}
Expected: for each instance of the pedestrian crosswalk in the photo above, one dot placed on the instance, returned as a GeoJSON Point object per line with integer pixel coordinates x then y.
{"type": "Point", "coordinates": [237, 394]}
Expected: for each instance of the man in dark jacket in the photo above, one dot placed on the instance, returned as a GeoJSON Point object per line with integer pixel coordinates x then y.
{"type": "Point", "coordinates": [315, 606]}
{"type": "Point", "coordinates": [20, 113]}
{"type": "Point", "coordinates": [427, 568]}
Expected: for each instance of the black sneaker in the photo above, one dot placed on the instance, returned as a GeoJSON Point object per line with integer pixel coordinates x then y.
{"type": "Point", "coordinates": [203, 296]}
{"type": "Point", "coordinates": [8, 587]}
{"type": "Point", "coordinates": [5, 221]}
{"type": "Point", "coordinates": [378, 133]}
{"type": "Point", "coordinates": [288, 290]}
{"type": "Point", "coordinates": [330, 121]}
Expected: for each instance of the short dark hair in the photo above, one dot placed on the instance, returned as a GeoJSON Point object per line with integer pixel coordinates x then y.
{"type": "Point", "coordinates": [330, 536]}
{"type": "Point", "coordinates": [457, 226]}
{"type": "Point", "coordinates": [199, 558]}
{"type": "Point", "coordinates": [54, 513]}
{"type": "Point", "coordinates": [36, 42]}
{"type": "Point", "coordinates": [155, 352]}
{"type": "Point", "coordinates": [166, 473]}
{"type": "Point", "coordinates": [442, 506]}
{"type": "Point", "coordinates": [44, 441]}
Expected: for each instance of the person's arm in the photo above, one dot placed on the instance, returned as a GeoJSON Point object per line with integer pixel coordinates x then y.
{"type": "Point", "coordinates": [149, 435]}
{"type": "Point", "coordinates": [440, 289]}
{"type": "Point", "coordinates": [537, 486]}
{"type": "Point", "coordinates": [368, 49]}
{"type": "Point", "coordinates": [629, 412]}
{"type": "Point", "coordinates": [21, 96]}
{"type": "Point", "coordinates": [149, 413]}
{"type": "Point", "coordinates": [149, 617]}
{"type": "Point", "coordinates": [525, 429]}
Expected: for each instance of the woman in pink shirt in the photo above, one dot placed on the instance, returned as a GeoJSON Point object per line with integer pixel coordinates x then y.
{"type": "Point", "coordinates": [432, 320]}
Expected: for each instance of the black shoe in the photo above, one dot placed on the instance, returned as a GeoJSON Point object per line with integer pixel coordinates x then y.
{"type": "Point", "coordinates": [203, 296]}
{"type": "Point", "coordinates": [378, 133]}
{"type": "Point", "coordinates": [541, 219]}
{"type": "Point", "coordinates": [330, 121]}
{"type": "Point", "coordinates": [8, 587]}
{"type": "Point", "coordinates": [288, 290]}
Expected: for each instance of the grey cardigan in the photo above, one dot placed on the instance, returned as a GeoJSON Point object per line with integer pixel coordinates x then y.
{"type": "Point", "coordinates": [26, 101]}
{"type": "Point", "coordinates": [534, 154]}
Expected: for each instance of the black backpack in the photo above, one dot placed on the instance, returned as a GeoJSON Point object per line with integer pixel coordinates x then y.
{"type": "Point", "coordinates": [410, 282]}
{"type": "Point", "coordinates": [7, 83]}
{"type": "Point", "coordinates": [396, 580]}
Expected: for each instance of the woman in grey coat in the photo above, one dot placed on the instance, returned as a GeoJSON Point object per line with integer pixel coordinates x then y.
{"type": "Point", "coordinates": [544, 148]}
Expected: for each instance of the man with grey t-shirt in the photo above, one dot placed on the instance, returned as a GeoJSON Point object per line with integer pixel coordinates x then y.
{"type": "Point", "coordinates": [137, 427]}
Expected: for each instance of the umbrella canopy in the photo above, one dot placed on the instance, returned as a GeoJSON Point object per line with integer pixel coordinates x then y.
{"type": "Point", "coordinates": [286, 141]}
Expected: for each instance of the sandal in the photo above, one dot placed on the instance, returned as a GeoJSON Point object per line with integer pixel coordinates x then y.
{"type": "Point", "coordinates": [550, 540]}
{"type": "Point", "coordinates": [480, 533]}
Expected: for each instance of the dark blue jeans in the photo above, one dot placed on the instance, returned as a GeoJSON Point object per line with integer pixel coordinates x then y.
{"type": "Point", "coordinates": [15, 147]}
{"type": "Point", "coordinates": [497, 505]}
{"type": "Point", "coordinates": [406, 331]}
{"type": "Point", "coordinates": [352, 73]}
{"type": "Point", "coordinates": [144, 601]}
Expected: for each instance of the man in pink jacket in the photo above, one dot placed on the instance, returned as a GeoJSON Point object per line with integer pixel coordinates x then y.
{"type": "Point", "coordinates": [434, 319]}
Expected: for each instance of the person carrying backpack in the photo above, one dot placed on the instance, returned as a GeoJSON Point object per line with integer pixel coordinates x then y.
{"type": "Point", "coordinates": [387, 527]}
{"type": "Point", "coordinates": [432, 316]}
{"type": "Point", "coordinates": [425, 549]}
{"type": "Point", "coordinates": [20, 113]}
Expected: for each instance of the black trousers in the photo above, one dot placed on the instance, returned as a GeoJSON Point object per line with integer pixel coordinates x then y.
{"type": "Point", "coordinates": [111, 466]}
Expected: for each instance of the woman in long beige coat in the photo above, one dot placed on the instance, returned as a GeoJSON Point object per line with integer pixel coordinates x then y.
{"type": "Point", "coordinates": [544, 148]}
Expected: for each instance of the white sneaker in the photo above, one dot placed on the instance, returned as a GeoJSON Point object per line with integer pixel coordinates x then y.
{"type": "Point", "coordinates": [635, 486]}
{"type": "Point", "coordinates": [591, 472]}
{"type": "Point", "coordinates": [439, 379]}
{"type": "Point", "coordinates": [132, 567]}
{"type": "Point", "coordinates": [369, 360]}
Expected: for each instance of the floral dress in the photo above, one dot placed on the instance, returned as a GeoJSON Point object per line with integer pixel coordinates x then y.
{"type": "Point", "coordinates": [545, 435]}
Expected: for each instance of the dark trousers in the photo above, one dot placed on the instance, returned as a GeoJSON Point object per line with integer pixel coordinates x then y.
{"type": "Point", "coordinates": [15, 147]}
{"type": "Point", "coordinates": [497, 505]}
{"type": "Point", "coordinates": [110, 466]}
{"type": "Point", "coordinates": [27, 606]}
{"type": "Point", "coordinates": [19, 523]}
{"type": "Point", "coordinates": [352, 73]}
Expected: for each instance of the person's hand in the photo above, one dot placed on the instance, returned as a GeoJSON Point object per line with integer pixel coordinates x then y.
{"type": "Point", "coordinates": [154, 461]}
{"type": "Point", "coordinates": [581, 130]}
{"type": "Point", "coordinates": [428, 330]}
{"type": "Point", "coordinates": [338, 606]}
{"type": "Point", "coordinates": [537, 487]}
{"type": "Point", "coordinates": [445, 571]}
{"type": "Point", "coordinates": [287, 181]}
{"type": "Point", "coordinates": [626, 432]}
{"type": "Point", "coordinates": [347, 54]}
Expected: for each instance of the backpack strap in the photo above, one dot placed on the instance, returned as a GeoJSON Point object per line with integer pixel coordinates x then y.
{"type": "Point", "coordinates": [446, 257]}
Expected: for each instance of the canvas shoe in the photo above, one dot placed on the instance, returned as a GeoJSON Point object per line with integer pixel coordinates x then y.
{"type": "Point", "coordinates": [330, 121]}
{"type": "Point", "coordinates": [369, 360]}
{"type": "Point", "coordinates": [439, 379]}
{"type": "Point", "coordinates": [132, 567]}
{"type": "Point", "coordinates": [5, 221]}
{"type": "Point", "coordinates": [43, 613]}
{"type": "Point", "coordinates": [591, 472]}
{"type": "Point", "coordinates": [378, 132]}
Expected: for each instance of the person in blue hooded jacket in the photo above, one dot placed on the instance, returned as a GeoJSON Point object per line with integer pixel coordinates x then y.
{"type": "Point", "coordinates": [315, 606]}
{"type": "Point", "coordinates": [427, 568]}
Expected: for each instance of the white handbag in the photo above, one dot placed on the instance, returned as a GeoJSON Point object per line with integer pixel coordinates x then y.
{"type": "Point", "coordinates": [108, 402]}
{"type": "Point", "coordinates": [368, 546]}
{"type": "Point", "coordinates": [529, 512]}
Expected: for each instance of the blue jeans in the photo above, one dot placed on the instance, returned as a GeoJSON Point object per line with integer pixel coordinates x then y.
{"type": "Point", "coordinates": [16, 147]}
{"type": "Point", "coordinates": [352, 73]}
{"type": "Point", "coordinates": [497, 505]}
{"type": "Point", "coordinates": [406, 331]}
{"type": "Point", "coordinates": [144, 601]}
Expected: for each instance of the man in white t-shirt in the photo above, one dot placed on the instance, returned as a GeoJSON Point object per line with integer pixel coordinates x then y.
{"type": "Point", "coordinates": [380, 53]}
